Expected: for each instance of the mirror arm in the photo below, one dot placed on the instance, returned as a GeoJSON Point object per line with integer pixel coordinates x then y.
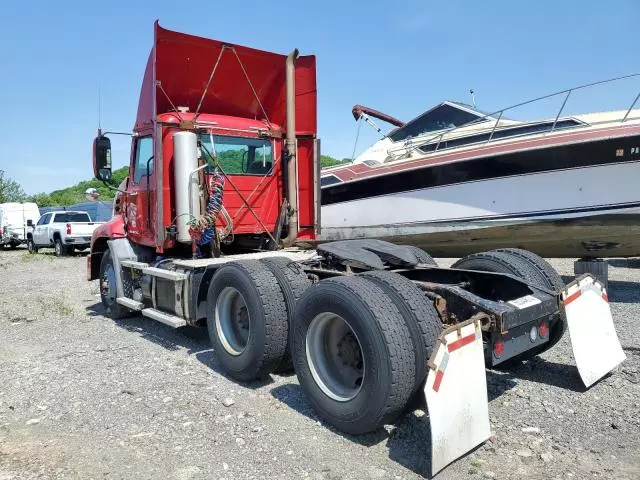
{"type": "Point", "coordinates": [134, 134]}
{"type": "Point", "coordinates": [111, 187]}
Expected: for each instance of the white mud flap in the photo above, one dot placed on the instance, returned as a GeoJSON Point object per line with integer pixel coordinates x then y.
{"type": "Point", "coordinates": [456, 393]}
{"type": "Point", "coordinates": [596, 347]}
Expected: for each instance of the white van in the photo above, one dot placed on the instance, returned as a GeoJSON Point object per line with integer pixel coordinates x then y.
{"type": "Point", "coordinates": [13, 222]}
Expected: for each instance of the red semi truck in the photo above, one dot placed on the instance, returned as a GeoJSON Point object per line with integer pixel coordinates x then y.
{"type": "Point", "coordinates": [218, 225]}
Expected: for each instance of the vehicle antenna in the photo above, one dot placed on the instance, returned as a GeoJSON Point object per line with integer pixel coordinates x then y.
{"type": "Point", "coordinates": [99, 110]}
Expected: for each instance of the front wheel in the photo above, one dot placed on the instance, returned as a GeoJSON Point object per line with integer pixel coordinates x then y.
{"type": "Point", "coordinates": [59, 248]}
{"type": "Point", "coordinates": [31, 246]}
{"type": "Point", "coordinates": [108, 292]}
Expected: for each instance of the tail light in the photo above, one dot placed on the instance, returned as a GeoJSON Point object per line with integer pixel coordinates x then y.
{"type": "Point", "coordinates": [1, 231]}
{"type": "Point", "coordinates": [543, 329]}
{"type": "Point", "coordinates": [498, 348]}
{"type": "Point", "coordinates": [68, 229]}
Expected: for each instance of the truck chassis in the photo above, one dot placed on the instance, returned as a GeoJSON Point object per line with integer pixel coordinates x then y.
{"type": "Point", "coordinates": [359, 321]}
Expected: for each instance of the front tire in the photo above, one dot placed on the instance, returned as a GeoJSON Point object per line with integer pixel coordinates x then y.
{"type": "Point", "coordinates": [353, 354]}
{"type": "Point", "coordinates": [31, 246]}
{"type": "Point", "coordinates": [247, 319]}
{"type": "Point", "coordinates": [59, 249]}
{"type": "Point", "coordinates": [108, 290]}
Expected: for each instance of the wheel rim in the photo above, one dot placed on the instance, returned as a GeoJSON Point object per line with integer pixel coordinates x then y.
{"type": "Point", "coordinates": [108, 285]}
{"type": "Point", "coordinates": [30, 246]}
{"type": "Point", "coordinates": [58, 249]}
{"type": "Point", "coordinates": [335, 357]}
{"type": "Point", "coordinates": [233, 323]}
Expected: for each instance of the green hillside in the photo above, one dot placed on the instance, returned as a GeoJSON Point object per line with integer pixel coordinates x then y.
{"type": "Point", "coordinates": [75, 194]}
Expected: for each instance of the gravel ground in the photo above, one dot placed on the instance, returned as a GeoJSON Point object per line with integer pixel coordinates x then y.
{"type": "Point", "coordinates": [82, 396]}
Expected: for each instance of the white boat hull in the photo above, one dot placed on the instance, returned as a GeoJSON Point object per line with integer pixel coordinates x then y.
{"type": "Point", "coordinates": [477, 215]}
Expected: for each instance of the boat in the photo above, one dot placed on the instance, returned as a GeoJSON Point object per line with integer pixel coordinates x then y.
{"type": "Point", "coordinates": [455, 180]}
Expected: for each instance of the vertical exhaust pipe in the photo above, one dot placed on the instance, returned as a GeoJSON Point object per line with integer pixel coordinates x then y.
{"type": "Point", "coordinates": [292, 157]}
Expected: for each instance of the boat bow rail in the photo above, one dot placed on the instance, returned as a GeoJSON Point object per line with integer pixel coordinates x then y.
{"type": "Point", "coordinates": [498, 117]}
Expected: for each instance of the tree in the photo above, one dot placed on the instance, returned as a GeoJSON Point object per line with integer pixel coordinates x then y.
{"type": "Point", "coordinates": [10, 190]}
{"type": "Point", "coordinates": [42, 199]}
{"type": "Point", "coordinates": [327, 161]}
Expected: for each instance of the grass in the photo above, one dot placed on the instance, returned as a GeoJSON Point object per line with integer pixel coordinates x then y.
{"type": "Point", "coordinates": [57, 305]}
{"type": "Point", "coordinates": [34, 257]}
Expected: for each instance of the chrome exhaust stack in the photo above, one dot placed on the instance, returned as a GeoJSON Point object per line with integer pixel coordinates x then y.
{"type": "Point", "coordinates": [292, 160]}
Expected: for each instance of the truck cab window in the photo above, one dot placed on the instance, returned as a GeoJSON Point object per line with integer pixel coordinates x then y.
{"type": "Point", "coordinates": [44, 219]}
{"type": "Point", "coordinates": [239, 155]}
{"type": "Point", "coordinates": [144, 151]}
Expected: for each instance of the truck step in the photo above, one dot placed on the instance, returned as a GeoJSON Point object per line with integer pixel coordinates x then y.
{"type": "Point", "coordinates": [134, 264]}
{"type": "Point", "coordinates": [168, 274]}
{"type": "Point", "coordinates": [130, 303]}
{"type": "Point", "coordinates": [163, 317]}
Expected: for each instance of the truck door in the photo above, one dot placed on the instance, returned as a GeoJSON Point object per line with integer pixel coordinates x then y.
{"type": "Point", "coordinates": [139, 224]}
{"type": "Point", "coordinates": [40, 231]}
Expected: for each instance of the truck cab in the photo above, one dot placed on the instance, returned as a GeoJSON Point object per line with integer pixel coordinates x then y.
{"type": "Point", "coordinates": [250, 117]}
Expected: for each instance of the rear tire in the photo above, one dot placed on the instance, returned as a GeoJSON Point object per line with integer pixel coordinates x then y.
{"type": "Point", "coordinates": [293, 282]}
{"type": "Point", "coordinates": [353, 354]}
{"type": "Point", "coordinates": [247, 319]}
{"type": "Point", "coordinates": [552, 280]}
{"type": "Point", "coordinates": [419, 315]}
{"type": "Point", "coordinates": [530, 270]}
{"type": "Point", "coordinates": [422, 256]}
{"type": "Point", "coordinates": [108, 290]}
{"type": "Point", "coordinates": [501, 262]}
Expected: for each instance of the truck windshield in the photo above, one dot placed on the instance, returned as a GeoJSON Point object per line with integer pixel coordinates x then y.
{"type": "Point", "coordinates": [239, 155]}
{"type": "Point", "coordinates": [69, 217]}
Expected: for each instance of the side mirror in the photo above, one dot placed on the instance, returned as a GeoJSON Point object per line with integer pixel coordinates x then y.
{"type": "Point", "coordinates": [29, 223]}
{"type": "Point", "coordinates": [92, 194]}
{"type": "Point", "coordinates": [102, 158]}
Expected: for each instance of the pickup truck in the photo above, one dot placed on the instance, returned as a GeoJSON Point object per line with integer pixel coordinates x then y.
{"type": "Point", "coordinates": [65, 231]}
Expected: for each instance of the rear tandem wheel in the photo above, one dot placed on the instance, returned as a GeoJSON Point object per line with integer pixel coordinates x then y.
{"type": "Point", "coordinates": [529, 267]}
{"type": "Point", "coordinates": [247, 319]}
{"type": "Point", "coordinates": [353, 354]}
{"type": "Point", "coordinates": [293, 282]}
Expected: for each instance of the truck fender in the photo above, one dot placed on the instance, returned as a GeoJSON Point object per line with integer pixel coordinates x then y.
{"type": "Point", "coordinates": [121, 249]}
{"type": "Point", "coordinates": [105, 232]}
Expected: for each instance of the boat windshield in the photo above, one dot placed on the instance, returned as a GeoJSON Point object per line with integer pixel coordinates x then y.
{"type": "Point", "coordinates": [442, 117]}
